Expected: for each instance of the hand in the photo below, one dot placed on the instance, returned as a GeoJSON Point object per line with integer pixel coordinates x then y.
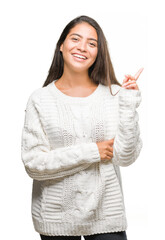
{"type": "Point", "coordinates": [130, 81]}
{"type": "Point", "coordinates": [106, 149]}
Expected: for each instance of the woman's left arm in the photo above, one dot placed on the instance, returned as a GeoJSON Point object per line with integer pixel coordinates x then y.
{"type": "Point", "coordinates": [127, 142]}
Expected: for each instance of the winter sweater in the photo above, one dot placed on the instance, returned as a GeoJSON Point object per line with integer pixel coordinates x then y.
{"type": "Point", "coordinates": [74, 191]}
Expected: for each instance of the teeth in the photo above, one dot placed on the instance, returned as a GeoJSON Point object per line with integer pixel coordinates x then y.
{"type": "Point", "coordinates": [76, 55]}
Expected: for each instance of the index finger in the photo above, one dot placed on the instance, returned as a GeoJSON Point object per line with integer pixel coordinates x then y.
{"type": "Point", "coordinates": [138, 73]}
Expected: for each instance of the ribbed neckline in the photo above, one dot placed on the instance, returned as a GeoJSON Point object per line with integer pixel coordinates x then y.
{"type": "Point", "coordinates": [74, 99]}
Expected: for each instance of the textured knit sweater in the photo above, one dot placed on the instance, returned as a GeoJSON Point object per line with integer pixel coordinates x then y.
{"type": "Point", "coordinates": [74, 191]}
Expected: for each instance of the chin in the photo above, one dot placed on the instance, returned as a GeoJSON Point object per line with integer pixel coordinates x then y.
{"type": "Point", "coordinates": [80, 68]}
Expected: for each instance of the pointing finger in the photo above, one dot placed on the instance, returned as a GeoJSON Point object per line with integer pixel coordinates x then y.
{"type": "Point", "coordinates": [138, 73]}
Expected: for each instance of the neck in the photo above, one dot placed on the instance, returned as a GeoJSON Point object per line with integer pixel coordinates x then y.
{"type": "Point", "coordinates": [75, 79]}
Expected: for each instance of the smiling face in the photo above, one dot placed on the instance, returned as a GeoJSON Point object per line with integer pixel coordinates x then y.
{"type": "Point", "coordinates": [80, 48]}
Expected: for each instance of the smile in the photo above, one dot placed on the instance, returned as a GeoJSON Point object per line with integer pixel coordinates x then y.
{"type": "Point", "coordinates": [79, 56]}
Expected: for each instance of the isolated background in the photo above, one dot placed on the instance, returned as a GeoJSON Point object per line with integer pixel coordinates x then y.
{"type": "Point", "coordinates": [135, 34]}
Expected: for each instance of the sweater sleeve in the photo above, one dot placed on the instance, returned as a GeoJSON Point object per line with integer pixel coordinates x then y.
{"type": "Point", "coordinates": [127, 142]}
{"type": "Point", "coordinates": [40, 161]}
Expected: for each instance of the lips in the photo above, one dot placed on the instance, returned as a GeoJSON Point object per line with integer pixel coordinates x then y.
{"type": "Point", "coordinates": [78, 54]}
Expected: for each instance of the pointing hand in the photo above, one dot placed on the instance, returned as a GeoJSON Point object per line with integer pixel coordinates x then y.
{"type": "Point", "coordinates": [129, 81]}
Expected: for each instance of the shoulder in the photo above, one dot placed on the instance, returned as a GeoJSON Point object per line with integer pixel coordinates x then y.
{"type": "Point", "coordinates": [36, 95]}
{"type": "Point", "coordinates": [114, 88]}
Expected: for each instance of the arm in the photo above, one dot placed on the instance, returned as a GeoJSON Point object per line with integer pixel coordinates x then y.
{"type": "Point", "coordinates": [127, 142]}
{"type": "Point", "coordinates": [40, 161]}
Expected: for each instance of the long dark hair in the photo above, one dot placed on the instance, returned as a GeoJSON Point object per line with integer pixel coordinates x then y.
{"type": "Point", "coordinates": [101, 70]}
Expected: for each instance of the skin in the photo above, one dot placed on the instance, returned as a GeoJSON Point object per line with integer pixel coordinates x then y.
{"type": "Point", "coordinates": [75, 80]}
{"type": "Point", "coordinates": [82, 39]}
{"type": "Point", "coordinates": [129, 81]}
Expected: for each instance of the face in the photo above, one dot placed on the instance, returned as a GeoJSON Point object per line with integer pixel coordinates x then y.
{"type": "Point", "coordinates": [80, 47]}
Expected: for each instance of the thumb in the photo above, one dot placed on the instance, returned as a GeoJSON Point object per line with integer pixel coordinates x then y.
{"type": "Point", "coordinates": [111, 140]}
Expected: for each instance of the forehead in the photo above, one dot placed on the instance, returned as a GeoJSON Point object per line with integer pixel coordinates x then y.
{"type": "Point", "coordinates": [85, 29]}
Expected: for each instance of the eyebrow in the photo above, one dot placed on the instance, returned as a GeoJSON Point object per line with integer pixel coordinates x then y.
{"type": "Point", "coordinates": [81, 37]}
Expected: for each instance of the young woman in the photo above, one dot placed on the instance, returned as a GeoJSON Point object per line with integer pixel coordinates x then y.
{"type": "Point", "coordinates": [79, 128]}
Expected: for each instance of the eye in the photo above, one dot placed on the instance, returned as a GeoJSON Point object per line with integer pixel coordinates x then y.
{"type": "Point", "coordinates": [75, 39]}
{"type": "Point", "coordinates": [92, 44]}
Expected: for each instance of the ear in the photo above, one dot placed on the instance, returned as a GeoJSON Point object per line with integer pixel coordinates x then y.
{"type": "Point", "coordinates": [61, 47]}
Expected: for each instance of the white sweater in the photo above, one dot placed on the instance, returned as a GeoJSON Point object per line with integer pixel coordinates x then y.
{"type": "Point", "coordinates": [75, 192]}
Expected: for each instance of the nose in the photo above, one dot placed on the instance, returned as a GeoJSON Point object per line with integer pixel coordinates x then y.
{"type": "Point", "coordinates": [82, 46]}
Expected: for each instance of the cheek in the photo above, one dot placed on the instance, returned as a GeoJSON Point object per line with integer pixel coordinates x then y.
{"type": "Point", "coordinates": [94, 53]}
{"type": "Point", "coordinates": [67, 49]}
{"type": "Point", "coordinates": [69, 46]}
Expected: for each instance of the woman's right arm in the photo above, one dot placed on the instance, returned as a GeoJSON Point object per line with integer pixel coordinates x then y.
{"type": "Point", "coordinates": [40, 161]}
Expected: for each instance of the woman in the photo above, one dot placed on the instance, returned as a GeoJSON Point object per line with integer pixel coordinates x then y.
{"type": "Point", "coordinates": [79, 128]}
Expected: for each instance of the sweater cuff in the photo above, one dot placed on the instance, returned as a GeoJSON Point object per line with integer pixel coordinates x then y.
{"type": "Point", "coordinates": [129, 97]}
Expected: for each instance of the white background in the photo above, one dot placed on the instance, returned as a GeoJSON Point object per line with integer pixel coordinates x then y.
{"type": "Point", "coordinates": [135, 34]}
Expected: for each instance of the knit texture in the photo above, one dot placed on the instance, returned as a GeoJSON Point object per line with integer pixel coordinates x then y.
{"type": "Point", "coordinates": [74, 191]}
